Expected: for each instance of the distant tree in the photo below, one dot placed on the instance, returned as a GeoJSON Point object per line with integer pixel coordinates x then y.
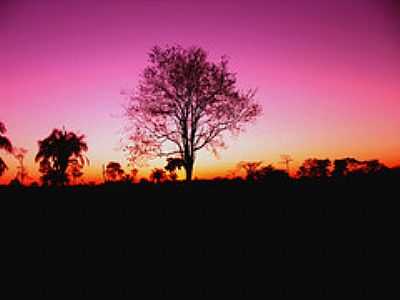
{"type": "Point", "coordinates": [134, 172]}
{"type": "Point", "coordinates": [3, 166]}
{"type": "Point", "coordinates": [75, 170]}
{"type": "Point", "coordinates": [114, 171]}
{"type": "Point", "coordinates": [34, 184]}
{"type": "Point", "coordinates": [373, 167]}
{"type": "Point", "coordinates": [143, 181]}
{"type": "Point", "coordinates": [174, 164]}
{"type": "Point", "coordinates": [19, 154]}
{"type": "Point", "coordinates": [15, 183]}
{"type": "Point", "coordinates": [351, 166]}
{"type": "Point", "coordinates": [314, 168]}
{"type": "Point", "coordinates": [395, 171]}
{"type": "Point", "coordinates": [286, 160]}
{"type": "Point", "coordinates": [345, 166]}
{"type": "Point", "coordinates": [173, 176]}
{"type": "Point", "coordinates": [56, 153]}
{"type": "Point", "coordinates": [252, 169]}
{"type": "Point", "coordinates": [255, 171]}
{"type": "Point", "coordinates": [4, 144]}
{"type": "Point", "coordinates": [340, 168]}
{"type": "Point", "coordinates": [132, 176]}
{"type": "Point", "coordinates": [185, 103]}
{"type": "Point", "coordinates": [157, 175]}
{"type": "Point", "coordinates": [271, 174]}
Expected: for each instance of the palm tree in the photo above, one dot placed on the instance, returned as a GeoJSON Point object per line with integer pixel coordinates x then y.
{"type": "Point", "coordinates": [4, 144]}
{"type": "Point", "coordinates": [56, 152]}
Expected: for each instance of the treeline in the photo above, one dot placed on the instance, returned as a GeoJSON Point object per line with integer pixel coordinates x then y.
{"type": "Point", "coordinates": [315, 170]}
{"type": "Point", "coordinates": [61, 158]}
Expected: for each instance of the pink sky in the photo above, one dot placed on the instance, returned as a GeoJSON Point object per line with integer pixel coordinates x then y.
{"type": "Point", "coordinates": [327, 73]}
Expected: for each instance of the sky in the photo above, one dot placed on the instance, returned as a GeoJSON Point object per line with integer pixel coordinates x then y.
{"type": "Point", "coordinates": [327, 74]}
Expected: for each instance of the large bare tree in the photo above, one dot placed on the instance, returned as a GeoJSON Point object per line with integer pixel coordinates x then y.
{"type": "Point", "coordinates": [185, 103]}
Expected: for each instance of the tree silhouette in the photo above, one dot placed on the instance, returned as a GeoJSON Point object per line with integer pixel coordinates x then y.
{"type": "Point", "coordinates": [134, 173]}
{"type": "Point", "coordinates": [75, 170]}
{"type": "Point", "coordinates": [314, 168]}
{"type": "Point", "coordinates": [19, 154]}
{"type": "Point", "coordinates": [114, 171]}
{"type": "Point", "coordinates": [373, 167]}
{"type": "Point", "coordinates": [271, 174]}
{"type": "Point", "coordinates": [173, 176]}
{"type": "Point", "coordinates": [251, 168]}
{"type": "Point", "coordinates": [286, 160]}
{"type": "Point", "coordinates": [174, 164]}
{"type": "Point", "coordinates": [56, 152]}
{"type": "Point", "coordinates": [3, 166]}
{"type": "Point", "coordinates": [4, 144]}
{"type": "Point", "coordinates": [351, 166]}
{"type": "Point", "coordinates": [345, 166]}
{"type": "Point", "coordinates": [185, 103]}
{"type": "Point", "coordinates": [157, 175]}
{"type": "Point", "coordinates": [130, 178]}
{"type": "Point", "coordinates": [255, 171]}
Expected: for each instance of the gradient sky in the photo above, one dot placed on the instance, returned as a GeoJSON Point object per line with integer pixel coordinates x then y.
{"type": "Point", "coordinates": [327, 73]}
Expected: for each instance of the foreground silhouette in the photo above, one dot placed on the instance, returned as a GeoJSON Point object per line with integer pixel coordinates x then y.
{"type": "Point", "coordinates": [325, 220]}
{"type": "Point", "coordinates": [302, 232]}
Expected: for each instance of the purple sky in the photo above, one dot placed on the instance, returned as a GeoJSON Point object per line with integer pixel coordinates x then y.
{"type": "Point", "coordinates": [327, 72]}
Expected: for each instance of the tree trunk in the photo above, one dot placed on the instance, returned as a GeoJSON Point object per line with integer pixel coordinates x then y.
{"type": "Point", "coordinates": [189, 170]}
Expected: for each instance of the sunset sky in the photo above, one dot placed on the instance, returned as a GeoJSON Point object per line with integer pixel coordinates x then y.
{"type": "Point", "coordinates": [327, 73]}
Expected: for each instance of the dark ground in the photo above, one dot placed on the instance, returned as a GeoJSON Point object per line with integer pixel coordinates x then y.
{"type": "Point", "coordinates": [219, 239]}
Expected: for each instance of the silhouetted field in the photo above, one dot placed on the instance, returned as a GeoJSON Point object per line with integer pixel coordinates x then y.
{"type": "Point", "coordinates": [209, 238]}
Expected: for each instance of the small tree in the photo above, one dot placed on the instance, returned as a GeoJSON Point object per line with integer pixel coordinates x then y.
{"type": "Point", "coordinates": [19, 154]}
{"type": "Point", "coordinates": [6, 145]}
{"type": "Point", "coordinates": [286, 160]}
{"type": "Point", "coordinates": [314, 168]}
{"type": "Point", "coordinates": [252, 169]}
{"type": "Point", "coordinates": [255, 171]}
{"type": "Point", "coordinates": [157, 175]}
{"type": "Point", "coordinates": [185, 103]}
{"type": "Point", "coordinates": [114, 171]}
{"type": "Point", "coordinates": [132, 176]}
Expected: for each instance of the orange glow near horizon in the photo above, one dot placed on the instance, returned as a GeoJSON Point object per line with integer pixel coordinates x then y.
{"type": "Point", "coordinates": [327, 74]}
